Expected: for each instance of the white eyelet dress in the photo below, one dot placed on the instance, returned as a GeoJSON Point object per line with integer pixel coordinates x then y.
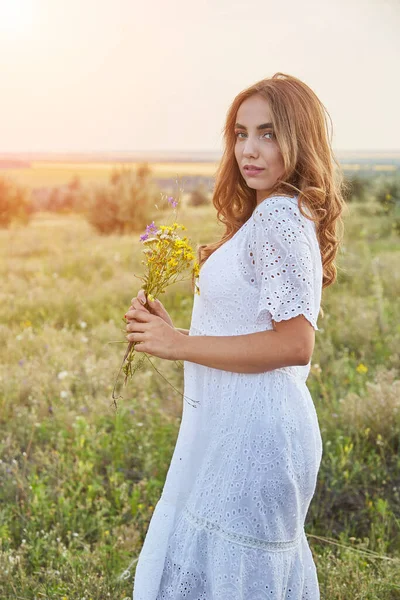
{"type": "Point", "coordinates": [229, 524]}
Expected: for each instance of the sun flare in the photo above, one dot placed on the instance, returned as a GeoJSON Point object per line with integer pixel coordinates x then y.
{"type": "Point", "coordinates": [15, 17]}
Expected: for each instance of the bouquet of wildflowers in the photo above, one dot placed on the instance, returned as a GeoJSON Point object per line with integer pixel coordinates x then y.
{"type": "Point", "coordinates": [168, 258]}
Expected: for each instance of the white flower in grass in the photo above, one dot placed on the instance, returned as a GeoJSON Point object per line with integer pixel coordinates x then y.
{"type": "Point", "coordinates": [82, 324]}
{"type": "Point", "coordinates": [62, 374]}
{"type": "Point", "coordinates": [64, 394]}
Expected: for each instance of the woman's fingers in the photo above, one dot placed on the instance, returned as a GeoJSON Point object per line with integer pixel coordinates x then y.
{"type": "Point", "coordinates": [136, 305]}
{"type": "Point", "coordinates": [143, 316]}
{"type": "Point", "coordinates": [141, 296]}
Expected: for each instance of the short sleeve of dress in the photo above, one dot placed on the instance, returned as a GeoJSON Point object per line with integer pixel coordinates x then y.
{"type": "Point", "coordinates": [286, 261]}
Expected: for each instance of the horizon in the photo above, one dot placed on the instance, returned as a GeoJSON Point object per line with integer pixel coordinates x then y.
{"type": "Point", "coordinates": [170, 151]}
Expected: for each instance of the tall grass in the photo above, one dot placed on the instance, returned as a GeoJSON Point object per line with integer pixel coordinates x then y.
{"type": "Point", "coordinates": [79, 480]}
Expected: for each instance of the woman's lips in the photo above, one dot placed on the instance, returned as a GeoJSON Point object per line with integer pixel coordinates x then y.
{"type": "Point", "coordinates": [252, 172]}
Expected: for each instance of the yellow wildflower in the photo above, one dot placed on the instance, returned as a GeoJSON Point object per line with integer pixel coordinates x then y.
{"type": "Point", "coordinates": [361, 368]}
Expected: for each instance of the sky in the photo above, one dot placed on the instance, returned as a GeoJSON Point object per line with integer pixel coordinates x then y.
{"type": "Point", "coordinates": [160, 75]}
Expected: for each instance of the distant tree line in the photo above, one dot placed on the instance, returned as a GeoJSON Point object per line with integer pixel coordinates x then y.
{"type": "Point", "coordinates": [125, 202]}
{"type": "Point", "coordinates": [14, 203]}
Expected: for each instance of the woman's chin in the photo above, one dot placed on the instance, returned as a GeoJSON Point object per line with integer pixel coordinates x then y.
{"type": "Point", "coordinates": [257, 185]}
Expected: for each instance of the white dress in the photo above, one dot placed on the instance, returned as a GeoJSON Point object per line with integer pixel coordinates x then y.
{"type": "Point", "coordinates": [229, 524]}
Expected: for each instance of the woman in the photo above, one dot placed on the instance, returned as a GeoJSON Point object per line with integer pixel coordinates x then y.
{"type": "Point", "coordinates": [230, 521]}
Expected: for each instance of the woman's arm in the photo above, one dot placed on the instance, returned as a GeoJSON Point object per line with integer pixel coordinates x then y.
{"type": "Point", "coordinates": [185, 331]}
{"type": "Point", "coordinates": [290, 343]}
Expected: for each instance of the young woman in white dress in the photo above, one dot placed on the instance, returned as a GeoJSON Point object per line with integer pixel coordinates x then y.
{"type": "Point", "coordinates": [229, 524]}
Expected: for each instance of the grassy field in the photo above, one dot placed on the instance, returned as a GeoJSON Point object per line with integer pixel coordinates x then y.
{"type": "Point", "coordinates": [79, 480]}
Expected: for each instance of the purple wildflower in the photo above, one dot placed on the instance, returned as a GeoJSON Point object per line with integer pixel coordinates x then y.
{"type": "Point", "coordinates": [173, 202]}
{"type": "Point", "coordinates": [152, 228]}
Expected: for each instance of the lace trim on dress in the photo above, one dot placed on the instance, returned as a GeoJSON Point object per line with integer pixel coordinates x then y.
{"type": "Point", "coordinates": [245, 540]}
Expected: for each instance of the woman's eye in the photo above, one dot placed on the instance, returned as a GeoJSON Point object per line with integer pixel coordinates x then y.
{"type": "Point", "coordinates": [266, 133]}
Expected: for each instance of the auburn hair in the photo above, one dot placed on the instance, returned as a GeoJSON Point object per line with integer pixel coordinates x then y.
{"type": "Point", "coordinates": [310, 168]}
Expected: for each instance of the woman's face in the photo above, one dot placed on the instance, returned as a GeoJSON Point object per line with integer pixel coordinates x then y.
{"type": "Point", "coordinates": [256, 145]}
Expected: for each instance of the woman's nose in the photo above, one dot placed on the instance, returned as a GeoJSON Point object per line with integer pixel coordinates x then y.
{"type": "Point", "coordinates": [250, 147]}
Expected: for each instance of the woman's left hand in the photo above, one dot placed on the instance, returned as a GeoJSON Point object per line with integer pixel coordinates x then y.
{"type": "Point", "coordinates": [154, 335]}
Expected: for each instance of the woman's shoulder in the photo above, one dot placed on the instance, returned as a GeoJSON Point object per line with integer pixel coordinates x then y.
{"type": "Point", "coordinates": [282, 215]}
{"type": "Point", "coordinates": [275, 207]}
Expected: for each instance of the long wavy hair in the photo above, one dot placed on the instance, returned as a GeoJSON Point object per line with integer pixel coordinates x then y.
{"type": "Point", "coordinates": [310, 168]}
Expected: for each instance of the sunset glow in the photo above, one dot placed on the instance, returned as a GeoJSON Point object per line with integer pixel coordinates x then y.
{"type": "Point", "coordinates": [83, 76]}
{"type": "Point", "coordinates": [15, 17]}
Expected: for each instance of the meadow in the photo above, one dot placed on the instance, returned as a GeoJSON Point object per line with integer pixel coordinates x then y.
{"type": "Point", "coordinates": [80, 479]}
